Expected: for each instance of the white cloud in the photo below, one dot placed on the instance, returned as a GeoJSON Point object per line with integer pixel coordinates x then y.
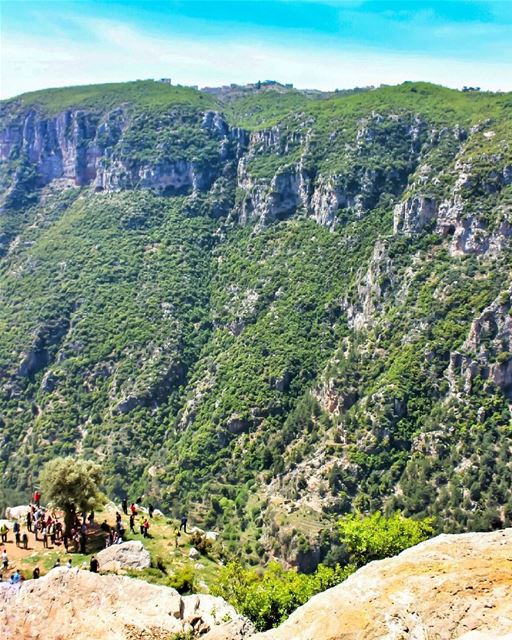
{"type": "Point", "coordinates": [115, 51]}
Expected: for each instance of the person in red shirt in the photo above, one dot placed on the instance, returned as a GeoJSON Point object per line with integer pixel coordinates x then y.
{"type": "Point", "coordinates": [37, 498]}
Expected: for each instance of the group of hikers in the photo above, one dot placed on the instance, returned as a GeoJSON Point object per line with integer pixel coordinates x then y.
{"type": "Point", "coordinates": [48, 528]}
{"type": "Point", "coordinates": [17, 577]}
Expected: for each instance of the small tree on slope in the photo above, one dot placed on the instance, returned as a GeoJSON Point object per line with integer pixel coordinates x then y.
{"type": "Point", "coordinates": [72, 485]}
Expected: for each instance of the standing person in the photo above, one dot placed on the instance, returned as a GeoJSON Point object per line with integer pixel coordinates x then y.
{"type": "Point", "coordinates": [124, 506]}
{"type": "Point", "coordinates": [37, 498]}
{"type": "Point", "coordinates": [68, 564]}
{"type": "Point", "coordinates": [146, 527]}
{"type": "Point", "coordinates": [141, 525]}
{"type": "Point", "coordinates": [17, 534]}
{"type": "Point", "coordinates": [24, 540]}
{"type": "Point", "coordinates": [177, 536]}
{"type": "Point", "coordinates": [29, 521]}
{"type": "Point", "coordinates": [45, 538]}
{"type": "Point", "coordinates": [132, 523]}
{"type": "Point", "coordinates": [36, 573]}
{"type": "Point", "coordinates": [151, 509]}
{"type": "Point", "coordinates": [3, 532]}
{"type": "Point", "coordinates": [94, 565]}
{"type": "Point", "coordinates": [133, 509]}
{"type": "Point", "coordinates": [5, 560]}
{"type": "Point", "coordinates": [183, 524]}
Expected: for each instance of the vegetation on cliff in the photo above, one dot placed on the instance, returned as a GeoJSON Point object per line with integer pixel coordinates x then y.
{"type": "Point", "coordinates": [270, 312]}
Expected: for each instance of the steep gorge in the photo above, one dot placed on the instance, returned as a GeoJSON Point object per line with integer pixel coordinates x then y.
{"type": "Point", "coordinates": [268, 313]}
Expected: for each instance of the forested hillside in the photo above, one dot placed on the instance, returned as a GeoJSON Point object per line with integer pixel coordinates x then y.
{"type": "Point", "coordinates": [267, 310]}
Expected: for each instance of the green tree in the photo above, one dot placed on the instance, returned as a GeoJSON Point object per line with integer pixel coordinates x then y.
{"type": "Point", "coordinates": [268, 598]}
{"type": "Point", "coordinates": [376, 536]}
{"type": "Point", "coordinates": [72, 485]}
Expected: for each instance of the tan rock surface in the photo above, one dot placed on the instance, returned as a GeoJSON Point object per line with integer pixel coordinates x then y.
{"type": "Point", "coordinates": [453, 587]}
{"type": "Point", "coordinates": [70, 603]}
{"type": "Point", "coordinates": [128, 555]}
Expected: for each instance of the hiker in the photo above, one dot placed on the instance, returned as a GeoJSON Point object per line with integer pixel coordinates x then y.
{"type": "Point", "coordinates": [68, 564]}
{"type": "Point", "coordinates": [141, 526]}
{"type": "Point", "coordinates": [133, 509]}
{"type": "Point", "coordinates": [124, 506]}
{"type": "Point", "coordinates": [29, 521]}
{"type": "Point", "coordinates": [151, 510]}
{"type": "Point", "coordinates": [58, 530]}
{"type": "Point", "coordinates": [183, 524]}
{"type": "Point", "coordinates": [17, 537]}
{"type": "Point", "coordinates": [24, 540]}
{"type": "Point", "coordinates": [3, 532]}
{"type": "Point", "coordinates": [132, 523]}
{"type": "Point", "coordinates": [37, 498]}
{"type": "Point", "coordinates": [45, 538]}
{"type": "Point", "coordinates": [145, 527]}
{"type": "Point", "coordinates": [177, 536]}
{"type": "Point", "coordinates": [36, 573]}
{"type": "Point", "coordinates": [104, 526]}
{"type": "Point", "coordinates": [57, 563]}
{"type": "Point", "coordinates": [118, 518]}
{"type": "Point", "coordinates": [90, 518]}
{"type": "Point", "coordinates": [5, 559]}
{"type": "Point", "coordinates": [94, 565]}
{"type": "Point", "coordinates": [53, 534]}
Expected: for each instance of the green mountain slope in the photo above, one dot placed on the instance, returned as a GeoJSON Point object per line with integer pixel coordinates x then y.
{"type": "Point", "coordinates": [266, 310]}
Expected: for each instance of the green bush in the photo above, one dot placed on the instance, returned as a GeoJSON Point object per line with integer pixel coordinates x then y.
{"type": "Point", "coordinates": [268, 598]}
{"type": "Point", "coordinates": [376, 536]}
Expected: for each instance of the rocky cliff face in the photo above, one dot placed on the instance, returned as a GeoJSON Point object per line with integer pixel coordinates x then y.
{"type": "Point", "coordinates": [79, 604]}
{"type": "Point", "coordinates": [450, 587]}
{"type": "Point", "coordinates": [81, 148]}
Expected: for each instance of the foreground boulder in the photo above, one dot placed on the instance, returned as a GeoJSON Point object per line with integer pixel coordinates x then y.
{"type": "Point", "coordinates": [70, 603]}
{"type": "Point", "coordinates": [128, 555]}
{"type": "Point", "coordinates": [453, 587]}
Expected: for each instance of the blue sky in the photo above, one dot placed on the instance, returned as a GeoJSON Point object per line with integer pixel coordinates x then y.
{"type": "Point", "coordinates": [323, 44]}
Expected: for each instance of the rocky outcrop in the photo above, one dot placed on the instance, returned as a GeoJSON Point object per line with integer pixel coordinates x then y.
{"type": "Point", "coordinates": [469, 228]}
{"type": "Point", "coordinates": [17, 513]}
{"type": "Point", "coordinates": [102, 149]}
{"type": "Point", "coordinates": [413, 215]}
{"type": "Point", "coordinates": [128, 555]}
{"type": "Point", "coordinates": [83, 605]}
{"type": "Point", "coordinates": [451, 587]}
{"type": "Point", "coordinates": [487, 350]}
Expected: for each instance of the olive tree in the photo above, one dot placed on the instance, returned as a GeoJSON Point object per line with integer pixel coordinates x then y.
{"type": "Point", "coordinates": [72, 484]}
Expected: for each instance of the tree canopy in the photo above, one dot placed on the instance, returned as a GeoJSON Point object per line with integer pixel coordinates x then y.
{"type": "Point", "coordinates": [71, 484]}
{"type": "Point", "coordinates": [376, 536]}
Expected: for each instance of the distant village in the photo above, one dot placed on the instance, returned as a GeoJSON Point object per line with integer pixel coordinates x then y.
{"type": "Point", "coordinates": [235, 90]}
